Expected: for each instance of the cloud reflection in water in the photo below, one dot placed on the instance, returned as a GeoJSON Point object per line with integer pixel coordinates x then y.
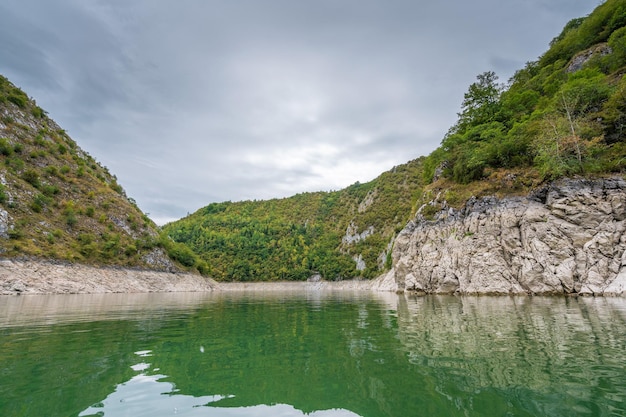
{"type": "Point", "coordinates": [147, 395]}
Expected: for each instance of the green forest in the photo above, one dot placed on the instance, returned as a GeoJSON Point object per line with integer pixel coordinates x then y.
{"type": "Point", "coordinates": [561, 115]}
{"type": "Point", "coordinates": [297, 237]}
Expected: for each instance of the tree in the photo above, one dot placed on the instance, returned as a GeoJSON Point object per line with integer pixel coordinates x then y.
{"type": "Point", "coordinates": [569, 139]}
{"type": "Point", "coordinates": [481, 102]}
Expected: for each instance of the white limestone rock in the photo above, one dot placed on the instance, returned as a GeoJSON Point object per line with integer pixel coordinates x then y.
{"type": "Point", "coordinates": [569, 237]}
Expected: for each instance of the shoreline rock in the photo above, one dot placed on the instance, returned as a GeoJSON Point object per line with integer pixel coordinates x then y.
{"type": "Point", "coordinates": [568, 237]}
{"type": "Point", "coordinates": [49, 277]}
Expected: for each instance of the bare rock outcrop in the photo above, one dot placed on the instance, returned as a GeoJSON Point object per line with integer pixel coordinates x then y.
{"type": "Point", "coordinates": [566, 238]}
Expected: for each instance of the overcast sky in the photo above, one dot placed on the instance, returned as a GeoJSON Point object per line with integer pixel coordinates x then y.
{"type": "Point", "coordinates": [190, 102]}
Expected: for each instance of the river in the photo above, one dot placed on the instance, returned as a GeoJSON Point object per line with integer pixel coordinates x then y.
{"type": "Point", "coordinates": [315, 353]}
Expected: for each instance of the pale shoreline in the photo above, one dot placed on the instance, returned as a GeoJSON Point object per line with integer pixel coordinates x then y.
{"type": "Point", "coordinates": [25, 277]}
{"type": "Point", "coordinates": [286, 286]}
{"type": "Point", "coordinates": [46, 277]}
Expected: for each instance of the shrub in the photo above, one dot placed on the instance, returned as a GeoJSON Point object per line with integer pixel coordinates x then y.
{"type": "Point", "coordinates": [52, 171]}
{"type": "Point", "coordinates": [3, 194]}
{"type": "Point", "coordinates": [18, 98]}
{"type": "Point", "coordinates": [6, 148]}
{"type": "Point", "coordinates": [50, 190]}
{"type": "Point", "coordinates": [71, 219]}
{"type": "Point", "coordinates": [38, 112]}
{"type": "Point", "coordinates": [116, 187]}
{"type": "Point", "coordinates": [15, 163]}
{"type": "Point", "coordinates": [31, 177]}
{"type": "Point", "coordinates": [16, 233]}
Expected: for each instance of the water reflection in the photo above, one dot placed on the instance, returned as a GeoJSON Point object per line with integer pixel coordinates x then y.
{"type": "Point", "coordinates": [46, 310]}
{"type": "Point", "coordinates": [320, 354]}
{"type": "Point", "coordinates": [566, 352]}
{"type": "Point", "coordinates": [146, 395]}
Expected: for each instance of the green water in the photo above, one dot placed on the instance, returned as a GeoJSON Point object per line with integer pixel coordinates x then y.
{"type": "Point", "coordinates": [313, 354]}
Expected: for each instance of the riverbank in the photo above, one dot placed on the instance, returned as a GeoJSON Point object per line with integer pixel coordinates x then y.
{"type": "Point", "coordinates": [22, 277]}
{"type": "Point", "coordinates": [47, 277]}
{"type": "Point", "coordinates": [349, 285]}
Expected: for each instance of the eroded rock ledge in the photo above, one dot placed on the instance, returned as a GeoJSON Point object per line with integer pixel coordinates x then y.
{"type": "Point", "coordinates": [566, 238]}
{"type": "Point", "coordinates": [43, 277]}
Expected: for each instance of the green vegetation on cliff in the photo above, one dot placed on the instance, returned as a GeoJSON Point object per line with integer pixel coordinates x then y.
{"type": "Point", "coordinates": [561, 115]}
{"type": "Point", "coordinates": [57, 202]}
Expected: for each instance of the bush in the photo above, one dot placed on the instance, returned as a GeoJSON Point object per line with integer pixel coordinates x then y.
{"type": "Point", "coordinates": [31, 177]}
{"type": "Point", "coordinates": [181, 253]}
{"type": "Point", "coordinates": [38, 112]}
{"type": "Point", "coordinates": [6, 148]}
{"type": "Point", "coordinates": [178, 251]}
{"type": "Point", "coordinates": [71, 219]}
{"type": "Point", "coordinates": [18, 98]}
{"type": "Point", "coordinates": [3, 195]}
{"type": "Point", "coordinates": [50, 190]}
{"type": "Point", "coordinates": [16, 233]}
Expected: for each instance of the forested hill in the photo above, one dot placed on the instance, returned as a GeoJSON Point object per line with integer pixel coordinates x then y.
{"type": "Point", "coordinates": [561, 115]}
{"type": "Point", "coordinates": [338, 234]}
{"type": "Point", "coordinates": [58, 203]}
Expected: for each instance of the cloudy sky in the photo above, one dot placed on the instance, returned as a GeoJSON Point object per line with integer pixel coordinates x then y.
{"type": "Point", "coordinates": [190, 102]}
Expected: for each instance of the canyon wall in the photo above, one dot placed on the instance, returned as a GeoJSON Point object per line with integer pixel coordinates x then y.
{"type": "Point", "coordinates": [565, 238]}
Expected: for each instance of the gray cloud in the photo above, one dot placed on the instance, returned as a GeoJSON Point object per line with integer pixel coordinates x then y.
{"type": "Point", "coordinates": [191, 102]}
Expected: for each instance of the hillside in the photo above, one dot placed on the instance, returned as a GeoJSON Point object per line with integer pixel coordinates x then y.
{"type": "Point", "coordinates": [338, 234]}
{"type": "Point", "coordinates": [58, 203]}
{"type": "Point", "coordinates": [562, 115]}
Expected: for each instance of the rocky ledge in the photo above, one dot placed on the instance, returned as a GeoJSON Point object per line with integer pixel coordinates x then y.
{"type": "Point", "coordinates": [46, 277]}
{"type": "Point", "coordinates": [565, 238]}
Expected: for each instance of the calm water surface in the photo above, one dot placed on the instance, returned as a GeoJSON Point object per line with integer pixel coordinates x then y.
{"type": "Point", "coordinates": [314, 354]}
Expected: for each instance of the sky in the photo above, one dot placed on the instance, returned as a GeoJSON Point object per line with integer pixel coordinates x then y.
{"type": "Point", "coordinates": [190, 102]}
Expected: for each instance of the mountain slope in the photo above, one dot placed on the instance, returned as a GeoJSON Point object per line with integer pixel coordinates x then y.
{"type": "Point", "coordinates": [339, 234]}
{"type": "Point", "coordinates": [560, 115]}
{"type": "Point", "coordinates": [57, 202]}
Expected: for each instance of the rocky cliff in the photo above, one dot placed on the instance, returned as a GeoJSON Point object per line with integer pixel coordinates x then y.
{"type": "Point", "coordinates": [565, 238]}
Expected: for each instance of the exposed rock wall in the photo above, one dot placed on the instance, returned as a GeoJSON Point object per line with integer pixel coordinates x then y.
{"type": "Point", "coordinates": [568, 237]}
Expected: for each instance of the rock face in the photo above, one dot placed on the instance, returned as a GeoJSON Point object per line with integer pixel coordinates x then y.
{"type": "Point", "coordinates": [566, 238]}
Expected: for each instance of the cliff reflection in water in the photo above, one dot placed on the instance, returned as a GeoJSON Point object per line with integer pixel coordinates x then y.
{"type": "Point", "coordinates": [569, 352]}
{"type": "Point", "coordinates": [331, 354]}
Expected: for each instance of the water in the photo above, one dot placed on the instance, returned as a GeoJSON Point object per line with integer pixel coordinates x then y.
{"type": "Point", "coordinates": [315, 354]}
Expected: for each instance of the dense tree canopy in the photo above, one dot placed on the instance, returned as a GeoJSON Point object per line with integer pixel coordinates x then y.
{"type": "Point", "coordinates": [295, 238]}
{"type": "Point", "coordinates": [561, 115]}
